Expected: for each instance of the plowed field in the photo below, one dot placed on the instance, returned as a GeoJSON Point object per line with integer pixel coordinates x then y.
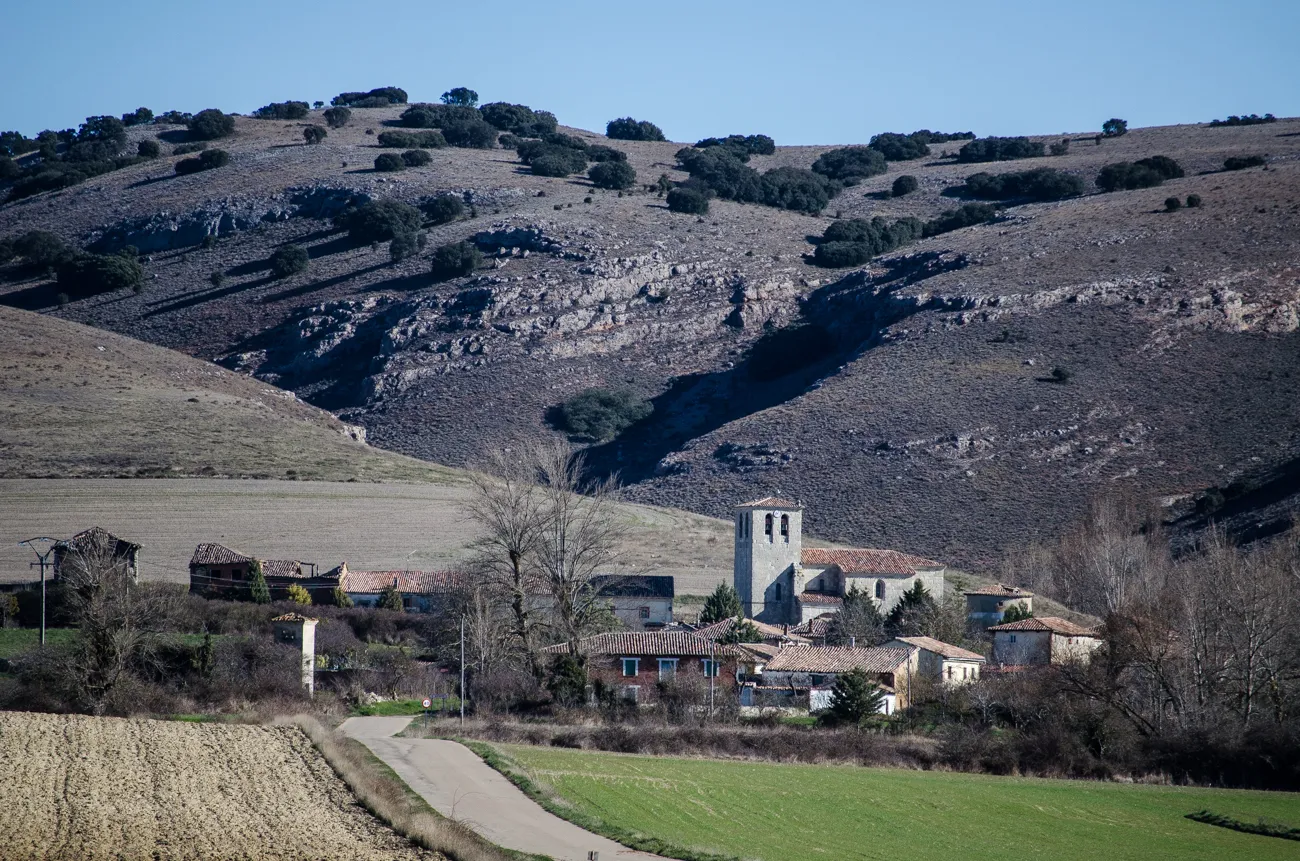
{"type": "Point", "coordinates": [101, 788]}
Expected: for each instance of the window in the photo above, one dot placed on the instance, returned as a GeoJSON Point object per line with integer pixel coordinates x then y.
{"type": "Point", "coordinates": [740, 526]}
{"type": "Point", "coordinates": [816, 679]}
{"type": "Point", "coordinates": [667, 668]}
{"type": "Point", "coordinates": [631, 666]}
{"type": "Point", "coordinates": [785, 527]}
{"type": "Point", "coordinates": [631, 693]}
{"type": "Point", "coordinates": [950, 673]}
{"type": "Point", "coordinates": [1013, 638]}
{"type": "Point", "coordinates": [776, 592]}
{"type": "Point", "coordinates": [643, 612]}
{"type": "Point", "coordinates": [711, 668]}
{"type": "Point", "coordinates": [767, 526]}
{"type": "Point", "coordinates": [880, 590]}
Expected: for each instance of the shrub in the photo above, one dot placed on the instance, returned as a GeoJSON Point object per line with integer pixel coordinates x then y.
{"type": "Point", "coordinates": [416, 158]}
{"type": "Point", "coordinates": [9, 169]}
{"type": "Point", "coordinates": [138, 117]}
{"type": "Point", "coordinates": [519, 120]}
{"type": "Point", "coordinates": [601, 414]}
{"type": "Point", "coordinates": [299, 595]}
{"type": "Point", "coordinates": [41, 249]}
{"type": "Point", "coordinates": [687, 200]}
{"type": "Point", "coordinates": [558, 161]}
{"type": "Point", "coordinates": [206, 160]}
{"type": "Point", "coordinates": [217, 278]}
{"type": "Point", "coordinates": [1248, 120]}
{"type": "Point", "coordinates": [856, 241]}
{"type": "Point", "coordinates": [314, 134]}
{"type": "Point", "coordinates": [1242, 162]}
{"type": "Point", "coordinates": [896, 147]}
{"type": "Point", "coordinates": [90, 274]}
{"type": "Point", "coordinates": [380, 220]}
{"type": "Point", "coordinates": [374, 98]}
{"type": "Point", "coordinates": [1043, 183]}
{"type": "Point", "coordinates": [628, 129]}
{"type": "Point", "coordinates": [904, 184]}
{"type": "Point", "coordinates": [612, 174]}
{"type": "Point", "coordinates": [455, 259]}
{"type": "Point", "coordinates": [283, 111]}
{"type": "Point", "coordinates": [999, 149]}
{"type": "Point", "coordinates": [103, 129]}
{"type": "Point", "coordinates": [427, 116]}
{"type": "Point", "coordinates": [1114, 127]}
{"type": "Point", "coordinates": [289, 260]}
{"type": "Point", "coordinates": [173, 118]}
{"type": "Point", "coordinates": [1143, 173]}
{"type": "Point", "coordinates": [470, 133]}
{"type": "Point", "coordinates": [850, 164]}
{"type": "Point", "coordinates": [402, 246]}
{"type": "Point", "coordinates": [148, 149]}
{"type": "Point", "coordinates": [1193, 200]}
{"type": "Point", "coordinates": [1172, 204]}
{"type": "Point", "coordinates": [388, 162]}
{"type": "Point", "coordinates": [570, 141]}
{"type": "Point", "coordinates": [337, 118]}
{"type": "Point", "coordinates": [211, 124]}
{"type": "Point", "coordinates": [187, 148]}
{"type": "Point", "coordinates": [964, 216]}
{"type": "Point", "coordinates": [1163, 165]}
{"type": "Point", "coordinates": [1060, 148]}
{"type": "Point", "coordinates": [16, 143]}
{"type": "Point", "coordinates": [427, 139]}
{"type": "Point", "coordinates": [460, 96]}
{"type": "Point", "coordinates": [722, 173]}
{"type": "Point", "coordinates": [928, 137]}
{"type": "Point", "coordinates": [443, 209]}
{"type": "Point", "coordinates": [746, 144]}
{"type": "Point", "coordinates": [797, 189]}
{"type": "Point", "coordinates": [597, 152]}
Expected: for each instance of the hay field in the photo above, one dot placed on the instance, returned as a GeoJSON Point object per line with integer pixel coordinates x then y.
{"type": "Point", "coordinates": [806, 812]}
{"type": "Point", "coordinates": [108, 788]}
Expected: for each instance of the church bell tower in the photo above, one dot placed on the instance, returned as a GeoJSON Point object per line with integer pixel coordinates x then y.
{"type": "Point", "coordinates": [768, 552]}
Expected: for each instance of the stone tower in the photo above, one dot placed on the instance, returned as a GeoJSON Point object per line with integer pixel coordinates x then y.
{"type": "Point", "coordinates": [768, 550]}
{"type": "Point", "coordinates": [300, 631]}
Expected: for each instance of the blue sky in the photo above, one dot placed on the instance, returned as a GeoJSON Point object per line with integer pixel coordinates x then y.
{"type": "Point", "coordinates": [804, 73]}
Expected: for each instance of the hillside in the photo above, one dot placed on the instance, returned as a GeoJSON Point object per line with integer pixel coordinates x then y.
{"type": "Point", "coordinates": [913, 408]}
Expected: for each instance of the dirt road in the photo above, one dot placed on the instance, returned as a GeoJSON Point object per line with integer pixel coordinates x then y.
{"type": "Point", "coordinates": [460, 786]}
{"type": "Point", "coordinates": [76, 787]}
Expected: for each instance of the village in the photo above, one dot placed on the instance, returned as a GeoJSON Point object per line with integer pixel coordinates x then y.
{"type": "Point", "coordinates": [775, 640]}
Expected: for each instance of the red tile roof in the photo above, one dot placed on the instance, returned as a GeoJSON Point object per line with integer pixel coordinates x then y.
{"type": "Point", "coordinates": [819, 599]}
{"type": "Point", "coordinates": [837, 659]}
{"type": "Point", "coordinates": [86, 537]}
{"type": "Point", "coordinates": [1001, 590]}
{"type": "Point", "coordinates": [939, 647]}
{"type": "Point", "coordinates": [770, 502]}
{"type": "Point", "coordinates": [669, 644]}
{"type": "Point", "coordinates": [215, 554]}
{"type": "Point", "coordinates": [293, 617]}
{"type": "Point", "coordinates": [410, 582]}
{"type": "Point", "coordinates": [814, 627]}
{"type": "Point", "coordinates": [282, 568]}
{"type": "Point", "coordinates": [857, 561]}
{"type": "Point", "coordinates": [718, 630]}
{"type": "Point", "coordinates": [1054, 624]}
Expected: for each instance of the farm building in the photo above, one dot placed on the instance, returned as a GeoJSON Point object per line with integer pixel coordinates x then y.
{"type": "Point", "coordinates": [219, 572]}
{"type": "Point", "coordinates": [421, 591]}
{"type": "Point", "coordinates": [1040, 641]}
{"type": "Point", "coordinates": [780, 582]}
{"type": "Point", "coordinates": [639, 602]}
{"type": "Point", "coordinates": [635, 664]}
{"type": "Point", "coordinates": [940, 661]}
{"type": "Point", "coordinates": [987, 606]}
{"type": "Point", "coordinates": [98, 541]}
{"type": "Point", "coordinates": [802, 676]}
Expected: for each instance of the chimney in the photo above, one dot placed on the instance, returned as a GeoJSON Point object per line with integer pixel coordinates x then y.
{"type": "Point", "coordinates": [853, 642]}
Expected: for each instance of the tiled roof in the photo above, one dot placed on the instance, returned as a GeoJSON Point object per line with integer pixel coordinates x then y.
{"type": "Point", "coordinates": [669, 644]}
{"type": "Point", "coordinates": [293, 617]}
{"type": "Point", "coordinates": [718, 630]}
{"type": "Point", "coordinates": [837, 659]}
{"type": "Point", "coordinates": [95, 533]}
{"type": "Point", "coordinates": [1001, 590]}
{"type": "Point", "coordinates": [1054, 624]}
{"type": "Point", "coordinates": [410, 582]}
{"type": "Point", "coordinates": [770, 502]}
{"type": "Point", "coordinates": [215, 554]}
{"type": "Point", "coordinates": [857, 561]}
{"type": "Point", "coordinates": [762, 651]}
{"type": "Point", "coordinates": [814, 627]}
{"type": "Point", "coordinates": [818, 599]}
{"type": "Point", "coordinates": [637, 586]}
{"type": "Point", "coordinates": [281, 568]}
{"type": "Point", "coordinates": [939, 647]}
{"type": "Point", "coordinates": [803, 689]}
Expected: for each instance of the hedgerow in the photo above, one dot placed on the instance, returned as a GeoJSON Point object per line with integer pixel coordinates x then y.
{"type": "Point", "coordinates": [1247, 120]}
{"type": "Point", "coordinates": [283, 111]}
{"type": "Point", "coordinates": [211, 124]}
{"type": "Point", "coordinates": [851, 164]}
{"type": "Point", "coordinates": [854, 242]}
{"type": "Point", "coordinates": [1000, 149]}
{"type": "Point", "coordinates": [628, 129]}
{"type": "Point", "coordinates": [616, 175]}
{"type": "Point", "coordinates": [373, 98]}
{"type": "Point", "coordinates": [428, 139]}
{"type": "Point", "coordinates": [1042, 184]}
{"type": "Point", "coordinates": [928, 137]}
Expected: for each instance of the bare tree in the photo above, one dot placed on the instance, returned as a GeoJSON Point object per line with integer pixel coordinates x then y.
{"type": "Point", "coordinates": [1114, 558]}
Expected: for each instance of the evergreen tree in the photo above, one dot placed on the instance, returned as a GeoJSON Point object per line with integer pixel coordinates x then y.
{"type": "Point", "coordinates": [744, 631]}
{"type": "Point", "coordinates": [1016, 613]}
{"type": "Point", "coordinates": [858, 620]}
{"type": "Point", "coordinates": [568, 684]}
{"type": "Point", "coordinates": [257, 588]}
{"type": "Point", "coordinates": [390, 599]}
{"type": "Point", "coordinates": [724, 603]}
{"type": "Point", "coordinates": [855, 698]}
{"type": "Point", "coordinates": [204, 657]}
{"type": "Point", "coordinates": [913, 615]}
{"type": "Point", "coordinates": [341, 598]}
{"type": "Point", "coordinates": [299, 595]}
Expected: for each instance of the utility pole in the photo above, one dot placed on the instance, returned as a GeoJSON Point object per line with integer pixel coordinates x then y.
{"type": "Point", "coordinates": [713, 673]}
{"type": "Point", "coordinates": [462, 672]}
{"type": "Point", "coordinates": [42, 560]}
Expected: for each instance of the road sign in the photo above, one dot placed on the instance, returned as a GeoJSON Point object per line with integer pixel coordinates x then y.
{"type": "Point", "coordinates": [427, 702]}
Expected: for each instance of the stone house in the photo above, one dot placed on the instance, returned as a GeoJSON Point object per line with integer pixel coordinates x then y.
{"type": "Point", "coordinates": [1041, 641]}
{"type": "Point", "coordinates": [97, 539]}
{"type": "Point", "coordinates": [781, 582]}
{"type": "Point", "coordinates": [803, 676]}
{"type": "Point", "coordinates": [634, 664]}
{"type": "Point", "coordinates": [219, 572]}
{"type": "Point", "coordinates": [942, 662]}
{"type": "Point", "coordinates": [640, 602]}
{"type": "Point", "coordinates": [422, 591]}
{"type": "Point", "coordinates": [986, 606]}
{"type": "Point", "coordinates": [775, 635]}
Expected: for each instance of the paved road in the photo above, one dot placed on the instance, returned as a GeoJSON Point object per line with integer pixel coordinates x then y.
{"type": "Point", "coordinates": [460, 786]}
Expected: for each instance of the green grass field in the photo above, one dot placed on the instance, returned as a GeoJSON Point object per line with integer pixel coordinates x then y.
{"type": "Point", "coordinates": [15, 640]}
{"type": "Point", "coordinates": [833, 813]}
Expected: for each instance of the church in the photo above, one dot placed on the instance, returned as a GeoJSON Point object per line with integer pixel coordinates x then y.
{"type": "Point", "coordinates": [781, 583]}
